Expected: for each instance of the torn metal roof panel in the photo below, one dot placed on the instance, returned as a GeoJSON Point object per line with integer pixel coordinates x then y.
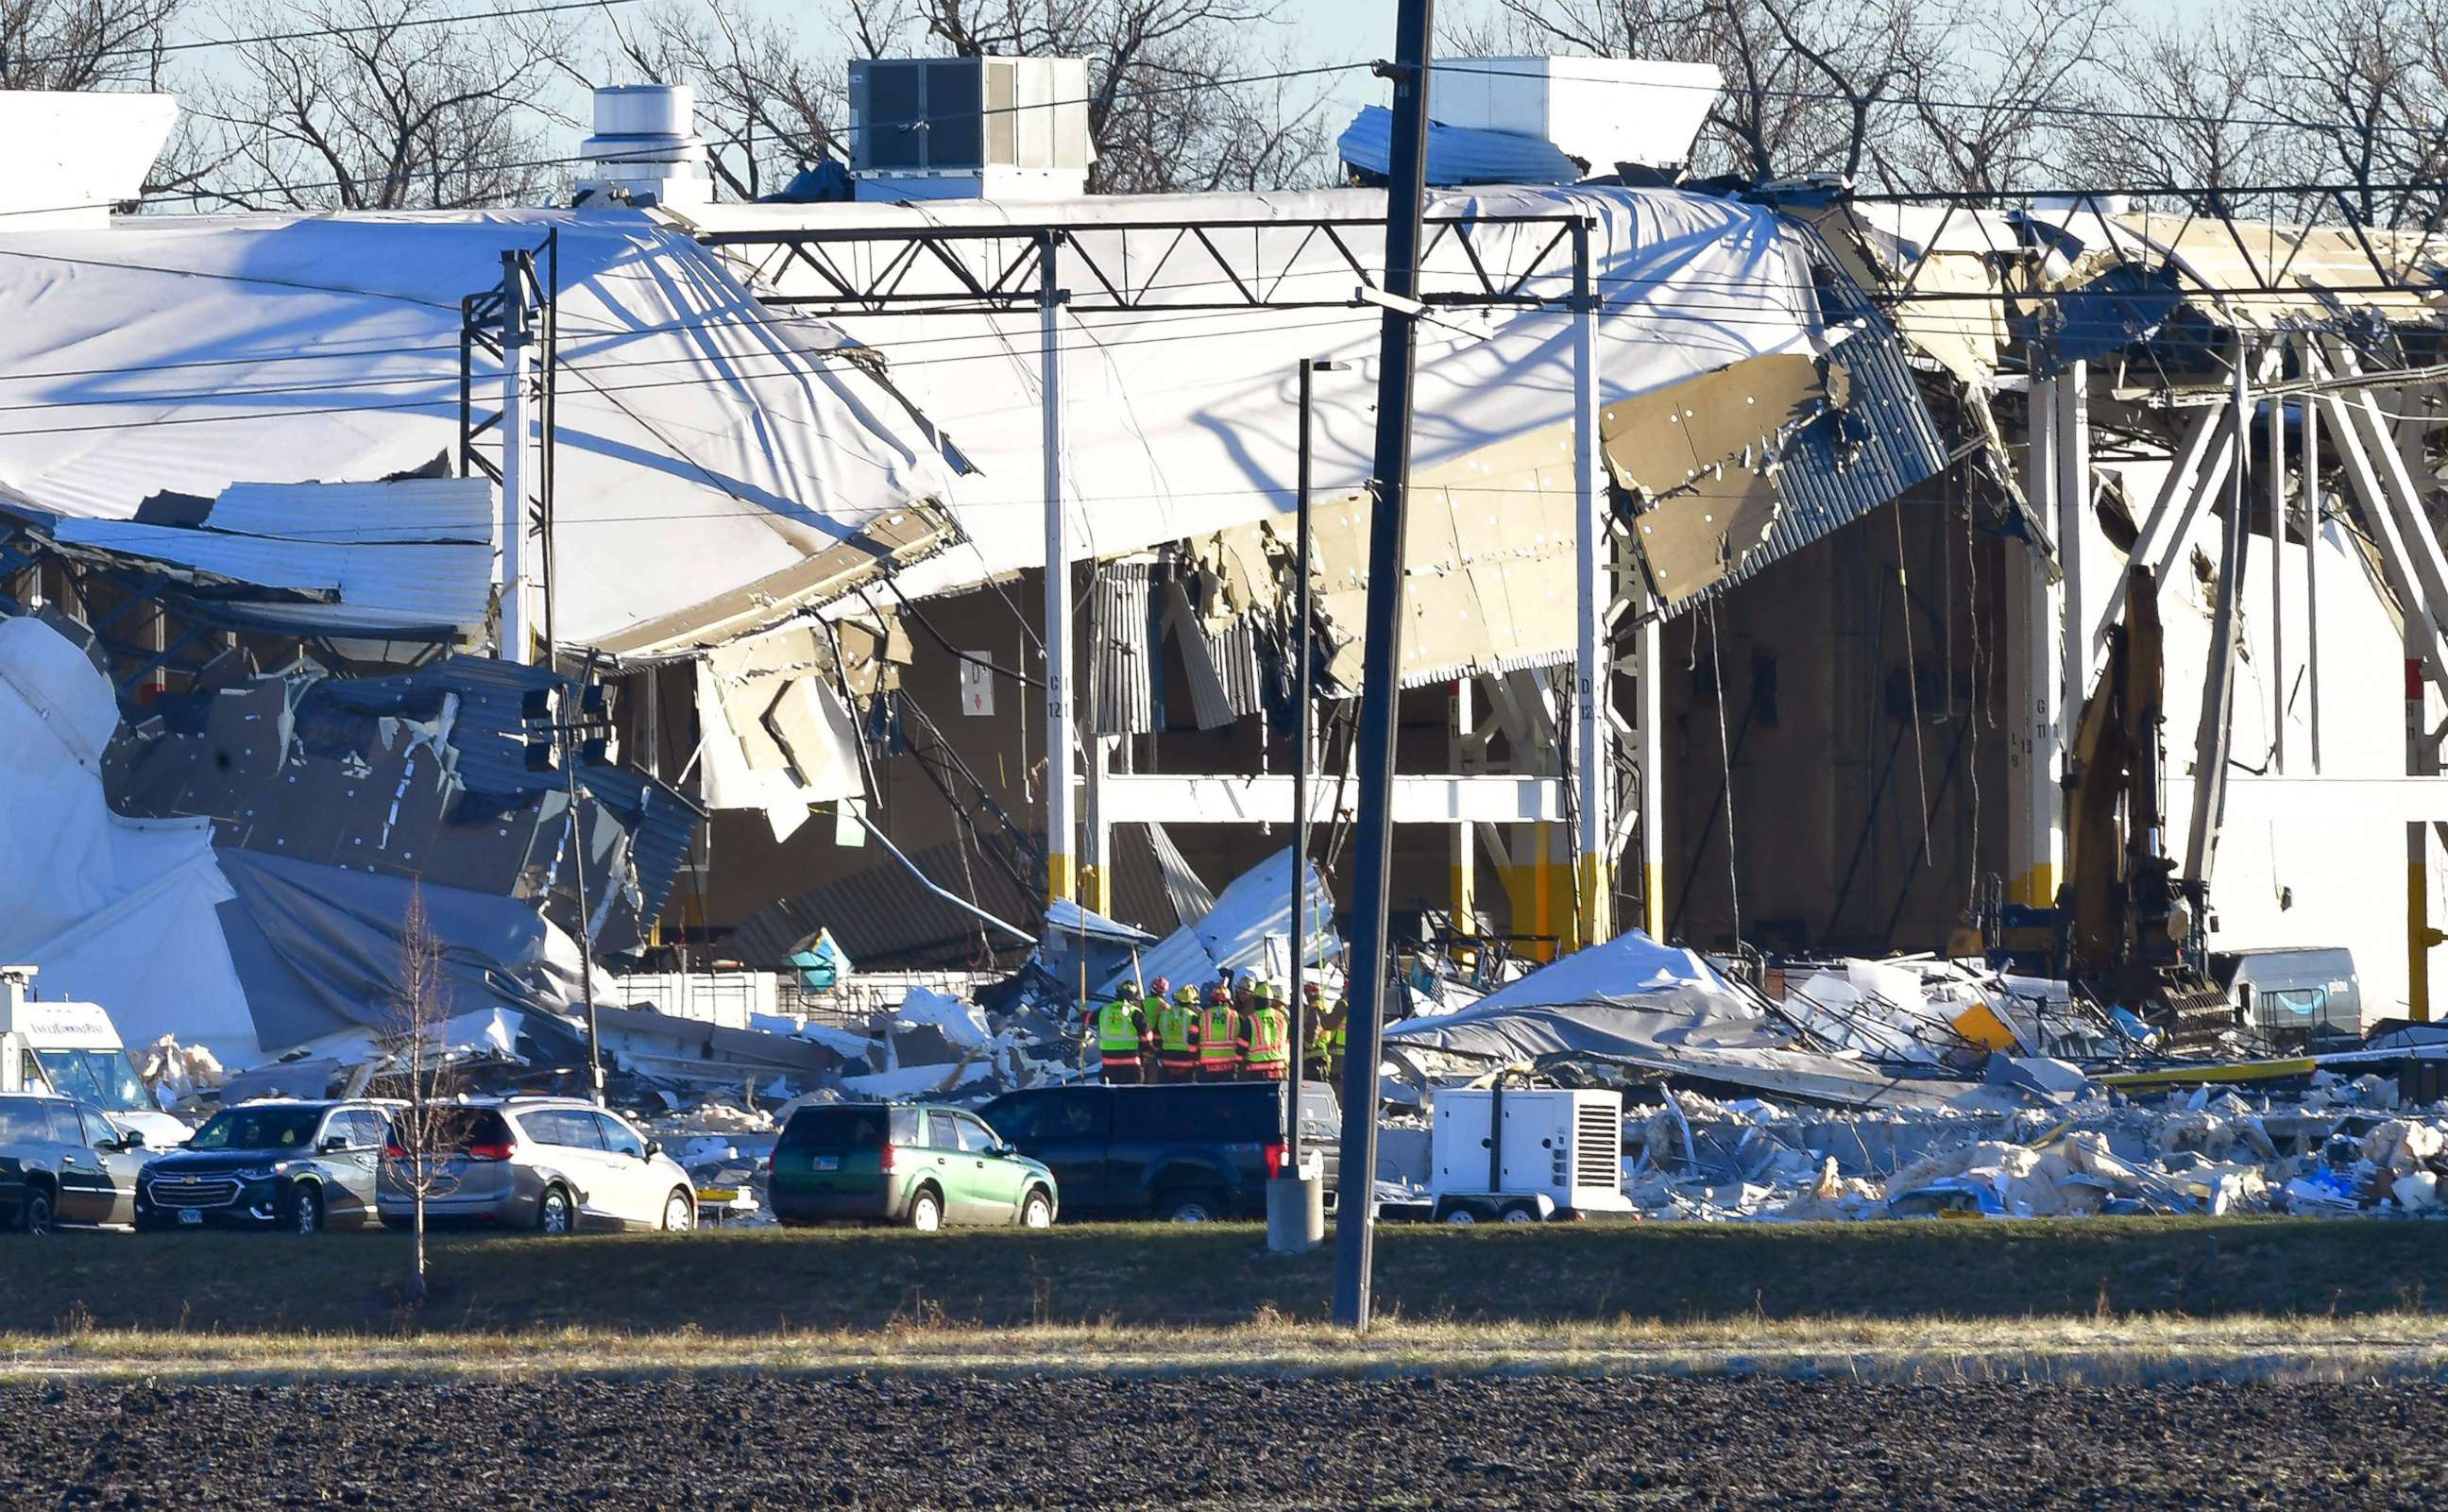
{"type": "Point", "coordinates": [1179, 422]}
{"type": "Point", "coordinates": [1752, 464]}
{"type": "Point", "coordinates": [1882, 442]}
{"type": "Point", "coordinates": [2240, 274]}
{"type": "Point", "coordinates": [399, 512]}
{"type": "Point", "coordinates": [324, 587]}
{"type": "Point", "coordinates": [695, 432]}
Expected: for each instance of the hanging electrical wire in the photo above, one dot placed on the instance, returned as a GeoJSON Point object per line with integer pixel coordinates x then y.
{"type": "Point", "coordinates": [1912, 674]}
{"type": "Point", "coordinates": [1725, 756]}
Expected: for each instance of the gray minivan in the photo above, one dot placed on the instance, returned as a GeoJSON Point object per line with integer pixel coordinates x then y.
{"type": "Point", "coordinates": [553, 1164]}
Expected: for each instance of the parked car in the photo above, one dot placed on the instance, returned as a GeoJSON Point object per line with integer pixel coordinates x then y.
{"type": "Point", "coordinates": [301, 1166]}
{"type": "Point", "coordinates": [923, 1166]}
{"type": "Point", "coordinates": [1186, 1153]}
{"type": "Point", "coordinates": [63, 1165]}
{"type": "Point", "coordinates": [553, 1164]}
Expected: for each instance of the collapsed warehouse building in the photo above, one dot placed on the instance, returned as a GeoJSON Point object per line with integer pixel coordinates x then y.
{"type": "Point", "coordinates": [1767, 551]}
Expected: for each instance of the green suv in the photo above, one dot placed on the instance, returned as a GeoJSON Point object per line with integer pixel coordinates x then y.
{"type": "Point", "coordinates": [873, 1162]}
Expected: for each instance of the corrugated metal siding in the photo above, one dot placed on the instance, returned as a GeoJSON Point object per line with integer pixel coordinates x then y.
{"type": "Point", "coordinates": [1122, 670]}
{"type": "Point", "coordinates": [390, 588]}
{"type": "Point", "coordinates": [406, 510]}
{"type": "Point", "coordinates": [1236, 662]}
{"type": "Point", "coordinates": [1883, 442]}
{"type": "Point", "coordinates": [488, 747]}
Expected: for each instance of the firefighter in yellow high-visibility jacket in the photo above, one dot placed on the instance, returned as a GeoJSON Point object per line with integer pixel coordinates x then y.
{"type": "Point", "coordinates": [1270, 1032]}
{"type": "Point", "coordinates": [1176, 1038]}
{"type": "Point", "coordinates": [1223, 1036]}
{"type": "Point", "coordinates": [1123, 1037]}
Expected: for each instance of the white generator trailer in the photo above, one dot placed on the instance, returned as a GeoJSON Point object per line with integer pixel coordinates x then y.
{"type": "Point", "coordinates": [1524, 1155]}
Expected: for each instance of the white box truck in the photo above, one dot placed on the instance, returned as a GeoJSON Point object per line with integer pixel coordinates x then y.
{"type": "Point", "coordinates": [74, 1050]}
{"type": "Point", "coordinates": [1524, 1155]}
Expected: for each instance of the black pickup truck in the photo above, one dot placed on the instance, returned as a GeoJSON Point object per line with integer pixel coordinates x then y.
{"type": "Point", "coordinates": [1186, 1153]}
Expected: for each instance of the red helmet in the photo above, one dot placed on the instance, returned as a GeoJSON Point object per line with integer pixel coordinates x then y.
{"type": "Point", "coordinates": [1310, 989]}
{"type": "Point", "coordinates": [1159, 987]}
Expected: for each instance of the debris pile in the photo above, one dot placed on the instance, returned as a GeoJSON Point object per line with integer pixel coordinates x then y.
{"type": "Point", "coordinates": [2340, 1147]}
{"type": "Point", "coordinates": [178, 1075]}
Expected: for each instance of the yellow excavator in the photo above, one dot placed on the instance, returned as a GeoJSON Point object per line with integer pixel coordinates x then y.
{"type": "Point", "coordinates": [2127, 927]}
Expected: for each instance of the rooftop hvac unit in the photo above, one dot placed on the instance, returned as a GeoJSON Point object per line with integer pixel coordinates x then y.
{"type": "Point", "coordinates": [1604, 111]}
{"type": "Point", "coordinates": [969, 128]}
{"type": "Point", "coordinates": [1566, 1146]}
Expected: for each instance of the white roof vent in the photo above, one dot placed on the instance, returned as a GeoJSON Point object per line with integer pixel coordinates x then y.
{"type": "Point", "coordinates": [943, 128]}
{"type": "Point", "coordinates": [645, 146]}
{"type": "Point", "coordinates": [1604, 111]}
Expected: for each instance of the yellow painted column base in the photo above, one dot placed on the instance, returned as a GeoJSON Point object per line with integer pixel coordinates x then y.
{"type": "Point", "coordinates": [1596, 894]}
{"type": "Point", "coordinates": [1062, 877]}
{"type": "Point", "coordinates": [2036, 888]}
{"type": "Point", "coordinates": [2420, 936]}
{"type": "Point", "coordinates": [1653, 899]}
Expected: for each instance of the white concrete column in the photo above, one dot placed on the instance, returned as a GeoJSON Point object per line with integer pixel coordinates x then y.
{"type": "Point", "coordinates": [2034, 675]}
{"type": "Point", "coordinates": [1648, 667]}
{"type": "Point", "coordinates": [1593, 591]}
{"type": "Point", "coordinates": [2278, 682]}
{"type": "Point", "coordinates": [1465, 878]}
{"type": "Point", "coordinates": [2312, 509]}
{"type": "Point", "coordinates": [2082, 565]}
{"type": "Point", "coordinates": [1061, 823]}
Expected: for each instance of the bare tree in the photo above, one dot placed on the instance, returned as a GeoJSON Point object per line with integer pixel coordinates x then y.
{"type": "Point", "coordinates": [1178, 94]}
{"type": "Point", "coordinates": [1996, 87]}
{"type": "Point", "coordinates": [428, 1125]}
{"type": "Point", "coordinates": [1811, 85]}
{"type": "Point", "coordinates": [83, 44]}
{"type": "Point", "coordinates": [2360, 85]}
{"type": "Point", "coordinates": [384, 111]}
{"type": "Point", "coordinates": [770, 99]}
{"type": "Point", "coordinates": [2189, 110]}
{"type": "Point", "coordinates": [1181, 95]}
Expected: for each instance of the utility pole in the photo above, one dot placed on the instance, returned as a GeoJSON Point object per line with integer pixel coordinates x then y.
{"type": "Point", "coordinates": [593, 721]}
{"type": "Point", "coordinates": [1355, 1222]}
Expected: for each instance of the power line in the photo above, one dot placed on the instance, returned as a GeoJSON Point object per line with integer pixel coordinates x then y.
{"type": "Point", "coordinates": [207, 44]}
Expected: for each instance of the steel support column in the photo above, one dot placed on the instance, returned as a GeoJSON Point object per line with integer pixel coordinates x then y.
{"type": "Point", "coordinates": [1649, 731]}
{"type": "Point", "coordinates": [2277, 465]}
{"type": "Point", "coordinates": [515, 624]}
{"type": "Point", "coordinates": [1593, 679]}
{"type": "Point", "coordinates": [2312, 538]}
{"type": "Point", "coordinates": [2036, 834]}
{"type": "Point", "coordinates": [2083, 570]}
{"type": "Point", "coordinates": [2213, 734]}
{"type": "Point", "coordinates": [1466, 760]}
{"type": "Point", "coordinates": [1061, 824]}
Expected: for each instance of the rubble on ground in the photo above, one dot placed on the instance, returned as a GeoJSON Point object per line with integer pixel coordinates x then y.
{"type": "Point", "coordinates": [2340, 1147]}
{"type": "Point", "coordinates": [1842, 1090]}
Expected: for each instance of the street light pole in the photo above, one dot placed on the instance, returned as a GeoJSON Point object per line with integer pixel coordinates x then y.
{"type": "Point", "coordinates": [1302, 1022]}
